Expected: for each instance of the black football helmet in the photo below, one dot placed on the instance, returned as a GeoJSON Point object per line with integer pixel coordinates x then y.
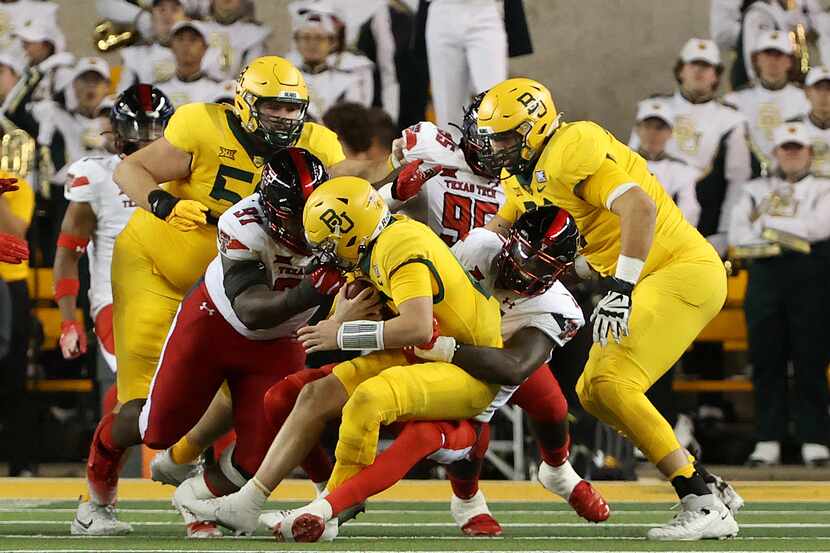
{"type": "Point", "coordinates": [471, 144]}
{"type": "Point", "coordinates": [288, 179]}
{"type": "Point", "coordinates": [541, 245]}
{"type": "Point", "coordinates": [139, 117]}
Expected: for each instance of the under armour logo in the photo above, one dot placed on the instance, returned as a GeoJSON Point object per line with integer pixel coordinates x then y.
{"type": "Point", "coordinates": [204, 307]}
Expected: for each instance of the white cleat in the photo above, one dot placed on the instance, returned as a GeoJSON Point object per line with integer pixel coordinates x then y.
{"type": "Point", "coordinates": [701, 517]}
{"type": "Point", "coordinates": [724, 491]}
{"type": "Point", "coordinates": [92, 519]}
{"type": "Point", "coordinates": [270, 519]}
{"type": "Point", "coordinates": [765, 454]}
{"type": "Point", "coordinates": [193, 489]}
{"type": "Point", "coordinates": [473, 516]}
{"type": "Point", "coordinates": [163, 469]}
{"type": "Point", "coordinates": [234, 511]}
{"type": "Point", "coordinates": [304, 525]}
{"type": "Point", "coordinates": [815, 455]}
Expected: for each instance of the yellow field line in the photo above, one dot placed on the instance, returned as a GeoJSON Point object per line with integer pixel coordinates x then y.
{"type": "Point", "coordinates": [422, 490]}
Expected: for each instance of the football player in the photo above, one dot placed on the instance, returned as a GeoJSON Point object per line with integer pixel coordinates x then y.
{"type": "Point", "coordinates": [237, 325]}
{"type": "Point", "coordinates": [664, 281]}
{"type": "Point", "coordinates": [538, 314]}
{"type": "Point", "coordinates": [349, 226]}
{"type": "Point", "coordinates": [210, 157]}
{"type": "Point", "coordinates": [13, 249]}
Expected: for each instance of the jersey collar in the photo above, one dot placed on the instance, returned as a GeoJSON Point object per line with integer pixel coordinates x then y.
{"type": "Point", "coordinates": [245, 139]}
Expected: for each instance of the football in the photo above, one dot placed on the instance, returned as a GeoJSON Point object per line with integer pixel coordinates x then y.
{"type": "Point", "coordinates": [355, 287]}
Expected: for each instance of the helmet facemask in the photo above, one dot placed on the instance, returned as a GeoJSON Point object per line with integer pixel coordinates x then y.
{"type": "Point", "coordinates": [274, 130]}
{"type": "Point", "coordinates": [132, 135]}
{"type": "Point", "coordinates": [509, 158]}
{"type": "Point", "coordinates": [471, 144]}
{"type": "Point", "coordinates": [524, 270]}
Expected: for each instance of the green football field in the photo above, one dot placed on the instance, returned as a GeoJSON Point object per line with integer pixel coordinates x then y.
{"type": "Point", "coordinates": [43, 526]}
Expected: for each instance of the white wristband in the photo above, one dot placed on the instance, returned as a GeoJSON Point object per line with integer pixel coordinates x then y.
{"type": "Point", "coordinates": [629, 269]}
{"type": "Point", "coordinates": [385, 192]}
{"type": "Point", "coordinates": [394, 162]}
{"type": "Point", "coordinates": [360, 335]}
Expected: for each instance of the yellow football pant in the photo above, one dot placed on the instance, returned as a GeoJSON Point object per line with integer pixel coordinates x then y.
{"type": "Point", "coordinates": [383, 389]}
{"type": "Point", "coordinates": [669, 309]}
{"type": "Point", "coordinates": [153, 267]}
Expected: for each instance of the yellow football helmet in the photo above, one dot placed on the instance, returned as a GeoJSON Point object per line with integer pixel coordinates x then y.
{"type": "Point", "coordinates": [516, 106]}
{"type": "Point", "coordinates": [341, 218]}
{"type": "Point", "coordinates": [271, 78]}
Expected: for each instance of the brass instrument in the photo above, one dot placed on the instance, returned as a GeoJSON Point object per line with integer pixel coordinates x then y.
{"type": "Point", "coordinates": [109, 35]}
{"type": "Point", "coordinates": [17, 153]}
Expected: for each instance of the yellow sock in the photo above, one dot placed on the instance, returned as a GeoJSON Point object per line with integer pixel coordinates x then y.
{"type": "Point", "coordinates": [183, 452]}
{"type": "Point", "coordinates": [341, 473]}
{"type": "Point", "coordinates": [686, 472]}
{"type": "Point", "coordinates": [691, 458]}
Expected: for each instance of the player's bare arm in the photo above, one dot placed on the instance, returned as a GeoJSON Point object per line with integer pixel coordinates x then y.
{"type": "Point", "coordinates": [11, 223]}
{"type": "Point", "coordinates": [638, 216]}
{"type": "Point", "coordinates": [141, 173]}
{"type": "Point", "coordinates": [498, 224]}
{"type": "Point", "coordinates": [522, 354]}
{"type": "Point", "coordinates": [412, 326]}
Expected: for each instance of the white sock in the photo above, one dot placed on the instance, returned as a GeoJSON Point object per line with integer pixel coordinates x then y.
{"type": "Point", "coordinates": [560, 480]}
{"type": "Point", "coordinates": [321, 489]}
{"type": "Point", "coordinates": [199, 487]}
{"type": "Point", "coordinates": [255, 492]}
{"type": "Point", "coordinates": [321, 508]}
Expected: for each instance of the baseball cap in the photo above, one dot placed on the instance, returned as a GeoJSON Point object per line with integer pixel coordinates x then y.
{"type": "Point", "coordinates": [655, 107]}
{"type": "Point", "coordinates": [40, 30]}
{"type": "Point", "coordinates": [700, 49]}
{"type": "Point", "coordinates": [197, 26]}
{"type": "Point", "coordinates": [817, 74]}
{"type": "Point", "coordinates": [317, 14]}
{"type": "Point", "coordinates": [96, 65]}
{"type": "Point", "coordinates": [791, 132]}
{"type": "Point", "coordinates": [774, 40]}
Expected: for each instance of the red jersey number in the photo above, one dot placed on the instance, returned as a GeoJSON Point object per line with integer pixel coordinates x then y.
{"type": "Point", "coordinates": [462, 214]}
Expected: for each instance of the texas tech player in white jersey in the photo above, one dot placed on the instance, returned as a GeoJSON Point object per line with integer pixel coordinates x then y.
{"type": "Point", "coordinates": [89, 180]}
{"type": "Point", "coordinates": [242, 236]}
{"type": "Point", "coordinates": [554, 312]}
{"type": "Point", "coordinates": [455, 201]}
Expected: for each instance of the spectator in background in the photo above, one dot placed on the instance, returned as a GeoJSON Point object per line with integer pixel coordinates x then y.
{"type": "Point", "coordinates": [332, 77]}
{"type": "Point", "coordinates": [817, 121]}
{"type": "Point", "coordinates": [725, 23]}
{"type": "Point", "coordinates": [15, 12]}
{"type": "Point", "coordinates": [654, 130]}
{"type": "Point", "coordinates": [153, 62]}
{"type": "Point", "coordinates": [466, 46]}
{"type": "Point", "coordinates": [49, 66]}
{"type": "Point", "coordinates": [14, 95]}
{"type": "Point", "coordinates": [350, 121]}
{"type": "Point", "coordinates": [784, 222]}
{"type": "Point", "coordinates": [16, 405]}
{"type": "Point", "coordinates": [709, 136]}
{"type": "Point", "coordinates": [188, 41]}
{"type": "Point", "coordinates": [235, 38]}
{"type": "Point", "coordinates": [384, 132]}
{"type": "Point", "coordinates": [771, 99]}
{"type": "Point", "coordinates": [401, 78]}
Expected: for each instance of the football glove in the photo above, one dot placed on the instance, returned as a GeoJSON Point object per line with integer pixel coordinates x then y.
{"type": "Point", "coordinates": [439, 348]}
{"type": "Point", "coordinates": [183, 215]}
{"type": "Point", "coordinates": [411, 179]}
{"type": "Point", "coordinates": [612, 312]}
{"type": "Point", "coordinates": [13, 250]}
{"type": "Point", "coordinates": [327, 280]}
{"type": "Point", "coordinates": [73, 339]}
{"type": "Point", "coordinates": [8, 185]}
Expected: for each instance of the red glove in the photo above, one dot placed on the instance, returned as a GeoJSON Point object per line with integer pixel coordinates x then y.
{"type": "Point", "coordinates": [409, 352]}
{"type": "Point", "coordinates": [73, 339]}
{"type": "Point", "coordinates": [327, 280]}
{"type": "Point", "coordinates": [8, 185]}
{"type": "Point", "coordinates": [12, 249]}
{"type": "Point", "coordinates": [411, 179]}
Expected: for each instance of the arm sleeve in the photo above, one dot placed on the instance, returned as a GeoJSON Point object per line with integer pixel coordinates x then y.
{"type": "Point", "coordinates": [813, 225]}
{"type": "Point", "coordinates": [410, 280]}
{"type": "Point", "coordinates": [324, 144]}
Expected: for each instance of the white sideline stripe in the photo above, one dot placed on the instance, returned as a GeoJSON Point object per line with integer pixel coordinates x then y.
{"type": "Point", "coordinates": [453, 525]}
{"type": "Point", "coordinates": [332, 551]}
{"type": "Point", "coordinates": [413, 538]}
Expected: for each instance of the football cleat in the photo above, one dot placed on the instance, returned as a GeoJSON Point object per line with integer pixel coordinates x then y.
{"type": "Point", "coordinates": [235, 511]}
{"type": "Point", "coordinates": [588, 503]}
{"type": "Point", "coordinates": [203, 530]}
{"type": "Point", "coordinates": [765, 453]}
{"type": "Point", "coordinates": [92, 519]}
{"type": "Point", "coordinates": [301, 526]}
{"type": "Point", "coordinates": [724, 491]}
{"type": "Point", "coordinates": [192, 489]}
{"type": "Point", "coordinates": [815, 455]}
{"type": "Point", "coordinates": [163, 469]}
{"type": "Point", "coordinates": [350, 514]}
{"type": "Point", "coordinates": [700, 517]}
{"type": "Point", "coordinates": [473, 516]}
{"type": "Point", "coordinates": [270, 519]}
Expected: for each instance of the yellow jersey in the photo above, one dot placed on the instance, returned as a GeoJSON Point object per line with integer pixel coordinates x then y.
{"type": "Point", "coordinates": [395, 265]}
{"type": "Point", "coordinates": [22, 205]}
{"type": "Point", "coordinates": [585, 154]}
{"type": "Point", "coordinates": [226, 166]}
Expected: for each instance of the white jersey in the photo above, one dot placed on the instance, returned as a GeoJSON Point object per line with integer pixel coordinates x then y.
{"type": "Point", "coordinates": [801, 208]}
{"type": "Point", "coordinates": [14, 15]}
{"type": "Point", "coordinates": [679, 179]}
{"type": "Point", "coordinates": [455, 201]}
{"type": "Point", "coordinates": [556, 312]}
{"type": "Point", "coordinates": [820, 140]}
{"type": "Point", "coordinates": [345, 77]}
{"type": "Point", "coordinates": [201, 90]}
{"type": "Point", "coordinates": [150, 64]}
{"type": "Point", "coordinates": [232, 47]}
{"type": "Point", "coordinates": [89, 180]}
{"type": "Point", "coordinates": [766, 110]}
{"type": "Point", "coordinates": [82, 136]}
{"type": "Point", "coordinates": [242, 237]}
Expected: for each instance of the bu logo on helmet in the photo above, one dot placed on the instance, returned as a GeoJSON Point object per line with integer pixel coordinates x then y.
{"type": "Point", "coordinates": [337, 223]}
{"type": "Point", "coordinates": [532, 104]}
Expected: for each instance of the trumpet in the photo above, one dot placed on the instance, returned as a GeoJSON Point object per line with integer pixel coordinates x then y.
{"type": "Point", "coordinates": [110, 35]}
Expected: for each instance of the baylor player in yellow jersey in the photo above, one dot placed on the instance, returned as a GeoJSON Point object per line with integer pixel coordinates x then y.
{"type": "Point", "coordinates": [348, 224]}
{"type": "Point", "coordinates": [665, 282]}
